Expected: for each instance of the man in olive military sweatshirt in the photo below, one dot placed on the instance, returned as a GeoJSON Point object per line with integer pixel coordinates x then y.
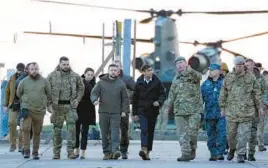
{"type": "Point", "coordinates": [35, 94]}
{"type": "Point", "coordinates": [111, 95]}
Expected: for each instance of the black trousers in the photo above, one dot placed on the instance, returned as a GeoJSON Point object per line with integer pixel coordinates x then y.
{"type": "Point", "coordinates": [84, 132]}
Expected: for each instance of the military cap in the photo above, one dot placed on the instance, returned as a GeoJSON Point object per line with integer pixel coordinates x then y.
{"type": "Point", "coordinates": [179, 58]}
{"type": "Point", "coordinates": [214, 67]}
{"type": "Point", "coordinates": [239, 60]}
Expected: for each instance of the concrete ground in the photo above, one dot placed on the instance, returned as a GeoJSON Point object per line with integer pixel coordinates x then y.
{"type": "Point", "coordinates": [164, 155]}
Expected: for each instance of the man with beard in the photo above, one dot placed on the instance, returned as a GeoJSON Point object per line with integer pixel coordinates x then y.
{"type": "Point", "coordinates": [67, 91]}
{"type": "Point", "coordinates": [12, 106]}
{"type": "Point", "coordinates": [254, 129]}
{"type": "Point", "coordinates": [124, 126]}
{"type": "Point", "coordinates": [111, 94]}
{"type": "Point", "coordinates": [185, 98]}
{"type": "Point", "coordinates": [240, 98]}
{"type": "Point", "coordinates": [35, 94]}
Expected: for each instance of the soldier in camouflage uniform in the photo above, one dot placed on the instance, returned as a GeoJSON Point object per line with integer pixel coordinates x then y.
{"type": "Point", "coordinates": [185, 97]}
{"type": "Point", "coordinates": [253, 137]}
{"type": "Point", "coordinates": [240, 97]}
{"type": "Point", "coordinates": [262, 119]}
{"type": "Point", "coordinates": [67, 90]}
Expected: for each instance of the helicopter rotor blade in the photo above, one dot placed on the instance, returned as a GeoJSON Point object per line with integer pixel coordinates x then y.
{"type": "Point", "coordinates": [179, 12]}
{"type": "Point", "coordinates": [232, 52]}
{"type": "Point", "coordinates": [225, 12]}
{"type": "Point", "coordinates": [245, 37]}
{"type": "Point", "coordinates": [93, 6]}
{"type": "Point", "coordinates": [84, 36]}
{"type": "Point", "coordinates": [147, 20]}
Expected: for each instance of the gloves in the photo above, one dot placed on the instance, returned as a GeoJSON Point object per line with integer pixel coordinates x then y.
{"type": "Point", "coordinates": [24, 113]}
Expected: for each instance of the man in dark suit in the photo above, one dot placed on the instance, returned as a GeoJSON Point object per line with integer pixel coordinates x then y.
{"type": "Point", "coordinates": [149, 95]}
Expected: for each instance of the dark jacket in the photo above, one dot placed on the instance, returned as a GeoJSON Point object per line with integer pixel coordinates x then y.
{"type": "Point", "coordinates": [129, 82]}
{"type": "Point", "coordinates": [210, 93]}
{"type": "Point", "coordinates": [86, 109]}
{"type": "Point", "coordinates": [146, 94]}
{"type": "Point", "coordinates": [112, 95]}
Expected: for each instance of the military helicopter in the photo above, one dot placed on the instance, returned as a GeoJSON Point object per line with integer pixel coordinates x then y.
{"type": "Point", "coordinates": [166, 41]}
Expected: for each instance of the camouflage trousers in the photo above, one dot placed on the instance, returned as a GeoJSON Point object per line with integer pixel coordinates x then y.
{"type": "Point", "coordinates": [216, 131]}
{"type": "Point", "coordinates": [238, 134]}
{"type": "Point", "coordinates": [124, 127]}
{"type": "Point", "coordinates": [260, 132]}
{"type": "Point", "coordinates": [60, 114]}
{"type": "Point", "coordinates": [253, 137]}
{"type": "Point", "coordinates": [187, 130]}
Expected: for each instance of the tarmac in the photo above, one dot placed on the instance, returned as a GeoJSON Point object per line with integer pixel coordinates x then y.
{"type": "Point", "coordinates": [164, 154]}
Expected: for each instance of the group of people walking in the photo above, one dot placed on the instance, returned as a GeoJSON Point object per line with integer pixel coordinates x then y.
{"type": "Point", "coordinates": [234, 105]}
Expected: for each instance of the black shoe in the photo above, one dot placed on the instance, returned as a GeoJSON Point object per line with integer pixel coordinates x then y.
{"type": "Point", "coordinates": [77, 156]}
{"type": "Point", "coordinates": [240, 159]}
{"type": "Point", "coordinates": [27, 154]}
{"type": "Point", "coordinates": [231, 154]}
{"type": "Point", "coordinates": [221, 157]}
{"type": "Point", "coordinates": [36, 158]}
{"type": "Point", "coordinates": [184, 158]}
{"type": "Point", "coordinates": [116, 155]}
{"type": "Point", "coordinates": [245, 156]}
{"type": "Point", "coordinates": [22, 152]}
{"type": "Point", "coordinates": [262, 149]}
{"type": "Point", "coordinates": [82, 157]}
{"type": "Point", "coordinates": [213, 159]}
{"type": "Point", "coordinates": [251, 158]}
{"type": "Point", "coordinates": [124, 155]}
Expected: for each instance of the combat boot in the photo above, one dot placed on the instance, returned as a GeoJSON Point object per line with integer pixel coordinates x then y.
{"type": "Point", "coordinates": [184, 158]}
{"type": "Point", "coordinates": [251, 157]}
{"type": "Point", "coordinates": [71, 156]}
{"type": "Point", "coordinates": [12, 148]}
{"type": "Point", "coordinates": [116, 155]}
{"type": "Point", "coordinates": [231, 154]}
{"type": "Point", "coordinates": [35, 156]}
{"type": "Point", "coordinates": [143, 153]}
{"type": "Point", "coordinates": [240, 159]}
{"type": "Point", "coordinates": [107, 156]}
{"type": "Point", "coordinates": [220, 157]}
{"type": "Point", "coordinates": [262, 148]}
{"type": "Point", "coordinates": [27, 154]}
{"type": "Point", "coordinates": [124, 155]}
{"type": "Point", "coordinates": [193, 154]}
{"type": "Point", "coordinates": [147, 157]}
{"type": "Point", "coordinates": [56, 157]}
{"type": "Point", "coordinates": [245, 156]}
{"type": "Point", "coordinates": [213, 158]}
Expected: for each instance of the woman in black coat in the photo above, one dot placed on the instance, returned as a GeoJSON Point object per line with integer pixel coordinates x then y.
{"type": "Point", "coordinates": [86, 113]}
